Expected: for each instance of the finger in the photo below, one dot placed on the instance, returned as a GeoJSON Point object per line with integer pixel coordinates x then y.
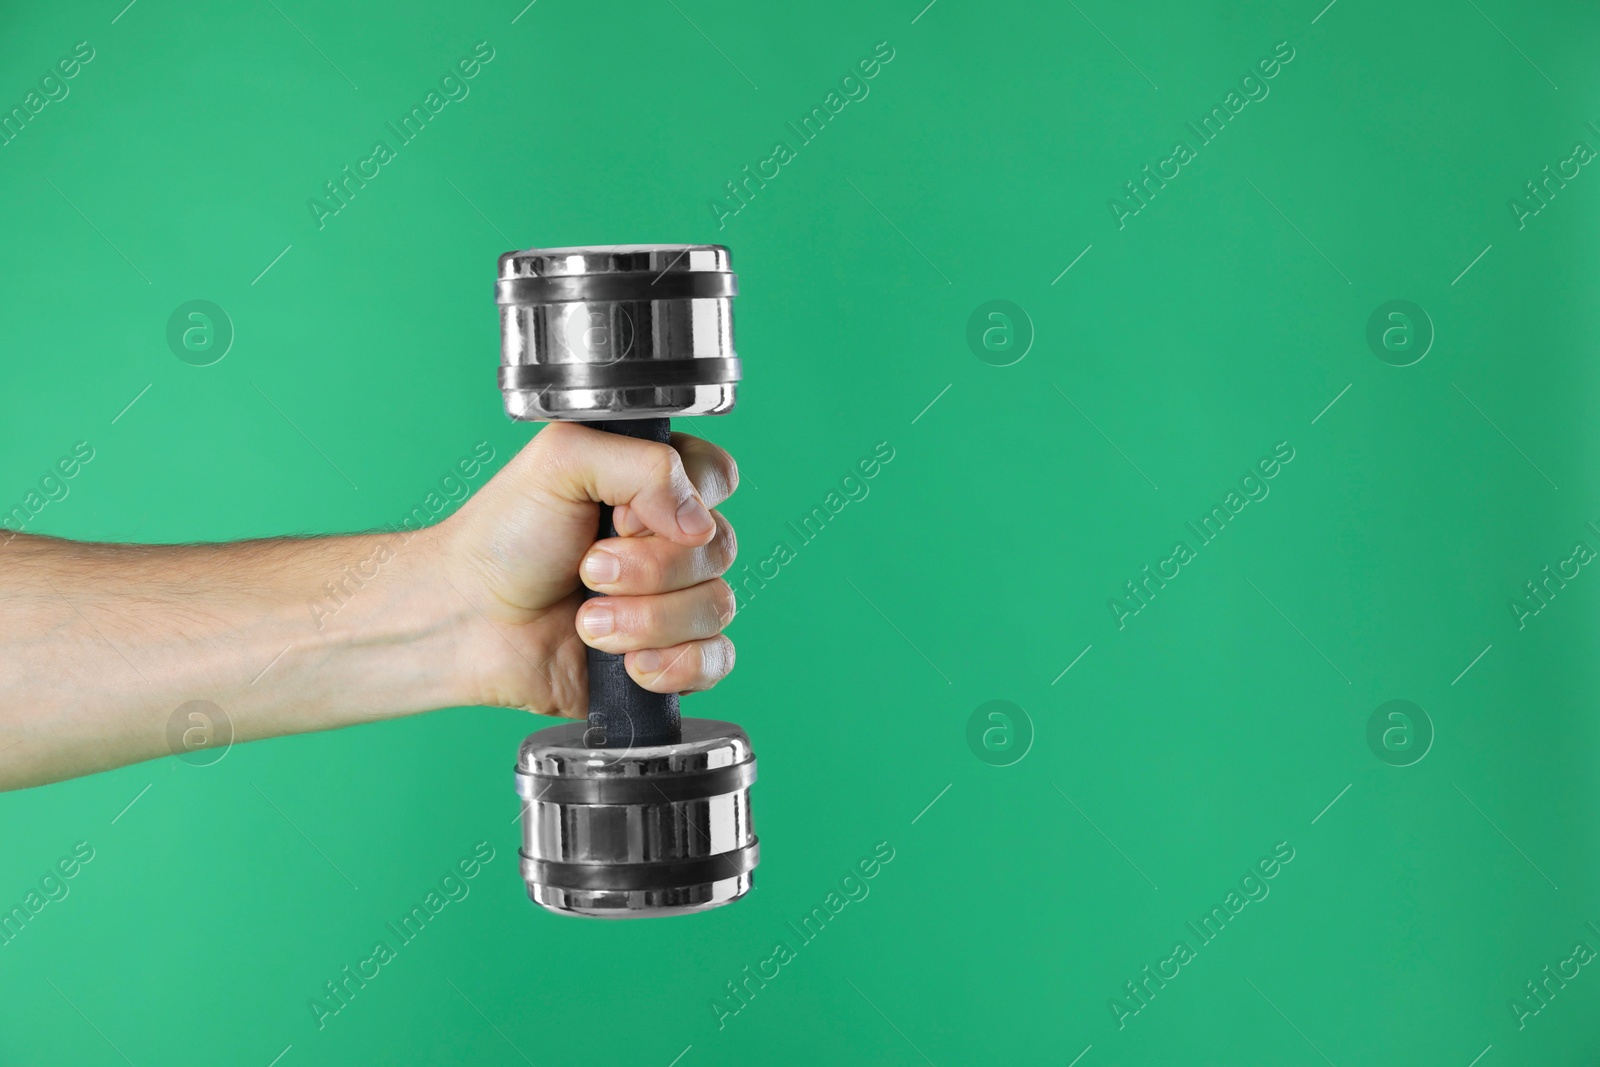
{"type": "Point", "coordinates": [637, 566]}
{"type": "Point", "coordinates": [624, 522]}
{"type": "Point", "coordinates": [685, 668]}
{"type": "Point", "coordinates": [712, 471]}
{"type": "Point", "coordinates": [628, 623]}
{"type": "Point", "coordinates": [581, 465]}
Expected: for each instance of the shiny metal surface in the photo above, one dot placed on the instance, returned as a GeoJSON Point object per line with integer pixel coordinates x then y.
{"type": "Point", "coordinates": [612, 847]}
{"type": "Point", "coordinates": [627, 332]}
{"type": "Point", "coordinates": [602, 333]}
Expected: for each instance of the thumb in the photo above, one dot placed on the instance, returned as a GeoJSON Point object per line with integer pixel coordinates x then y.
{"type": "Point", "coordinates": [569, 466]}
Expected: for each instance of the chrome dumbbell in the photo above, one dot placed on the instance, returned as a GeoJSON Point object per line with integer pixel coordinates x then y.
{"type": "Point", "coordinates": [636, 812]}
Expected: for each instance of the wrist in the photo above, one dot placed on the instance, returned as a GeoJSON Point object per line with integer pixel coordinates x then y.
{"type": "Point", "coordinates": [365, 627]}
{"type": "Point", "coordinates": [378, 634]}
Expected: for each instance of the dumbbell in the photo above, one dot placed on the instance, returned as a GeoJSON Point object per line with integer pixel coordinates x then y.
{"type": "Point", "coordinates": [636, 812]}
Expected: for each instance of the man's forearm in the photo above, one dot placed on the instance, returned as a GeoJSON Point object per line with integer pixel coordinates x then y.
{"type": "Point", "coordinates": [100, 644]}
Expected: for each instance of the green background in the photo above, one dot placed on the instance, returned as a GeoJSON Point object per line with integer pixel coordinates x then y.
{"type": "Point", "coordinates": [1224, 718]}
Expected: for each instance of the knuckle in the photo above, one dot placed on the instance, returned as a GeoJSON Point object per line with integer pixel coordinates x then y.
{"type": "Point", "coordinates": [666, 466]}
{"type": "Point", "coordinates": [686, 667]}
{"type": "Point", "coordinates": [642, 569]}
{"type": "Point", "coordinates": [550, 452]}
{"type": "Point", "coordinates": [716, 469]}
{"type": "Point", "coordinates": [716, 661]}
{"type": "Point", "coordinates": [723, 602]}
{"type": "Point", "coordinates": [645, 616]}
{"type": "Point", "coordinates": [557, 438]}
{"type": "Point", "coordinates": [724, 548]}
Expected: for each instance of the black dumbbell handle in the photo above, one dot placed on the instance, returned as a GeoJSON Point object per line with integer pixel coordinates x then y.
{"type": "Point", "coordinates": [621, 713]}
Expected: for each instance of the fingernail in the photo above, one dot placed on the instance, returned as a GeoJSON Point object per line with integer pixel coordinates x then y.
{"type": "Point", "coordinates": [601, 567]}
{"type": "Point", "coordinates": [648, 661]}
{"type": "Point", "coordinates": [693, 518]}
{"type": "Point", "coordinates": [598, 620]}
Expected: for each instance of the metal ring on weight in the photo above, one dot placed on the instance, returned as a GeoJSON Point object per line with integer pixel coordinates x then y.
{"type": "Point", "coordinates": [622, 374]}
{"type": "Point", "coordinates": [572, 288]}
{"type": "Point", "coordinates": [667, 789]}
{"type": "Point", "coordinates": [635, 876]}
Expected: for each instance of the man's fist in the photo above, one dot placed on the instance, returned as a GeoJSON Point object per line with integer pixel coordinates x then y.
{"type": "Point", "coordinates": [517, 551]}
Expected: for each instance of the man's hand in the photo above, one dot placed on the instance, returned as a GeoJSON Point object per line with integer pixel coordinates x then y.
{"type": "Point", "coordinates": [101, 644]}
{"type": "Point", "coordinates": [518, 548]}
